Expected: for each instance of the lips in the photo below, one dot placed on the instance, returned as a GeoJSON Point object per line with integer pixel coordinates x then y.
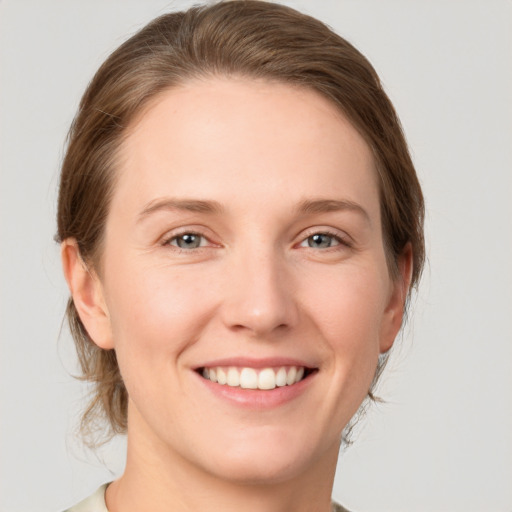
{"type": "Point", "coordinates": [257, 384]}
{"type": "Point", "coordinates": [247, 377]}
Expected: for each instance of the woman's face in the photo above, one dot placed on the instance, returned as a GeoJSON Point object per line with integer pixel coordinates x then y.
{"type": "Point", "coordinates": [244, 245]}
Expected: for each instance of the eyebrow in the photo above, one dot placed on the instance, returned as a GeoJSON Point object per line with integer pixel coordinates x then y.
{"type": "Point", "coordinates": [332, 205]}
{"type": "Point", "coordinates": [213, 207]}
{"type": "Point", "coordinates": [188, 205]}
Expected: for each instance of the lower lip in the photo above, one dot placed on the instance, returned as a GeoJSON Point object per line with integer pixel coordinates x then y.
{"type": "Point", "coordinates": [257, 398]}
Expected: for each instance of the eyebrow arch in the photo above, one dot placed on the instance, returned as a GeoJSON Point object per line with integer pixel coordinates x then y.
{"type": "Point", "coordinates": [189, 205]}
{"type": "Point", "coordinates": [331, 205]}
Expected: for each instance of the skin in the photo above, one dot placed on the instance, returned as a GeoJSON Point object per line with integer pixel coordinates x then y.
{"type": "Point", "coordinates": [255, 287]}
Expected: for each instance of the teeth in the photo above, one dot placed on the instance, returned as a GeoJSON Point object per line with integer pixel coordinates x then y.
{"type": "Point", "coordinates": [222, 378]}
{"type": "Point", "coordinates": [233, 378]}
{"type": "Point", "coordinates": [281, 377]}
{"type": "Point", "coordinates": [250, 378]}
{"type": "Point", "coordinates": [267, 379]}
{"type": "Point", "coordinates": [290, 378]}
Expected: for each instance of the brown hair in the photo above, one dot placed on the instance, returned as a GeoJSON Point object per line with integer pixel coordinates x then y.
{"type": "Point", "coordinates": [254, 39]}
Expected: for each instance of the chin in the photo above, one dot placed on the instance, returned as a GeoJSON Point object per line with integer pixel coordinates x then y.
{"type": "Point", "coordinates": [273, 460]}
{"type": "Point", "coordinates": [258, 471]}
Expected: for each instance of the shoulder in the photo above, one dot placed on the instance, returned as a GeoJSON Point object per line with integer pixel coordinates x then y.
{"type": "Point", "coordinates": [94, 503]}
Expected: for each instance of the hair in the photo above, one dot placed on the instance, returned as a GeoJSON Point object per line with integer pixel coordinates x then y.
{"type": "Point", "coordinates": [240, 38]}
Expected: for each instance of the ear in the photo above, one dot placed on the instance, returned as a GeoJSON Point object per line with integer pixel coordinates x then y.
{"type": "Point", "coordinates": [394, 312]}
{"type": "Point", "coordinates": [87, 293]}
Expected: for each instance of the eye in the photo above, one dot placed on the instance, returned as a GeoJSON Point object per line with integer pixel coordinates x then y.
{"type": "Point", "coordinates": [321, 241]}
{"type": "Point", "coordinates": [187, 241]}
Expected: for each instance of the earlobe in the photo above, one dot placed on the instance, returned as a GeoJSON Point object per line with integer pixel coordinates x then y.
{"type": "Point", "coordinates": [393, 316]}
{"type": "Point", "coordinates": [87, 293]}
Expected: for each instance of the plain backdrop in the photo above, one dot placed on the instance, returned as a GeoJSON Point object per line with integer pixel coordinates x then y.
{"type": "Point", "coordinates": [443, 442]}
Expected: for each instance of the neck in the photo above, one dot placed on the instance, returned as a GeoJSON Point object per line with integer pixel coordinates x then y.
{"type": "Point", "coordinates": [157, 478]}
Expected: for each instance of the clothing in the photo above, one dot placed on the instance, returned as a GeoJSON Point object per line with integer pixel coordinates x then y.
{"type": "Point", "coordinates": [96, 503]}
{"type": "Point", "coordinates": [338, 508]}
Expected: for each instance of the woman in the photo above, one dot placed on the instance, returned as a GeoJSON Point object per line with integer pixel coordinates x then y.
{"type": "Point", "coordinates": [241, 226]}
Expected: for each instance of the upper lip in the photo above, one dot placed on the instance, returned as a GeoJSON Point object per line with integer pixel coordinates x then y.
{"type": "Point", "coordinates": [246, 362]}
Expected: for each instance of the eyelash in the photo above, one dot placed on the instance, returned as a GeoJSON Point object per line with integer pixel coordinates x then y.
{"type": "Point", "coordinates": [168, 241]}
{"type": "Point", "coordinates": [341, 241]}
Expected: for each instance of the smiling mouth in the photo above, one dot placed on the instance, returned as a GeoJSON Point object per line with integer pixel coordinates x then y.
{"type": "Point", "coordinates": [252, 378]}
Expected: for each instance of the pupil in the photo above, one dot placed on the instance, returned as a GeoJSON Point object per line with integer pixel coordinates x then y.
{"type": "Point", "coordinates": [320, 240]}
{"type": "Point", "coordinates": [188, 241]}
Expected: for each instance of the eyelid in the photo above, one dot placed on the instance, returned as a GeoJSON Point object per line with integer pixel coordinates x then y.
{"type": "Point", "coordinates": [175, 238]}
{"type": "Point", "coordinates": [171, 235]}
{"type": "Point", "coordinates": [341, 236]}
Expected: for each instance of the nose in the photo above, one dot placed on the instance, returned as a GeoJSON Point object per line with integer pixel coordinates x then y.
{"type": "Point", "coordinates": [259, 295]}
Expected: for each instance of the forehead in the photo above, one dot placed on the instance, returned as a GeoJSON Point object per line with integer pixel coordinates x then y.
{"type": "Point", "coordinates": [206, 137]}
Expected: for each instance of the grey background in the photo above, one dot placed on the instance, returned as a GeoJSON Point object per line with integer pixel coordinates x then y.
{"type": "Point", "coordinates": [443, 442]}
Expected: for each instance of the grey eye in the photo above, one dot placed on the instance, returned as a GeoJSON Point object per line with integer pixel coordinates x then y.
{"type": "Point", "coordinates": [187, 241]}
{"type": "Point", "coordinates": [321, 241]}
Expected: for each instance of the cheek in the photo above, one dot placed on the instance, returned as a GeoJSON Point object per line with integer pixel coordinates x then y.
{"type": "Point", "coordinates": [155, 314]}
{"type": "Point", "coordinates": [349, 314]}
{"type": "Point", "coordinates": [351, 304]}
